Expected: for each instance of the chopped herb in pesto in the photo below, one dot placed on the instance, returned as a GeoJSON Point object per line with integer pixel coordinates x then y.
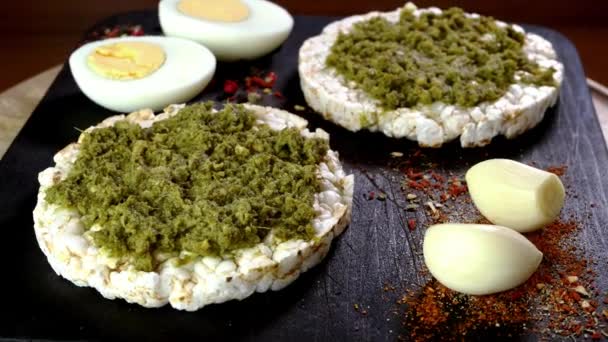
{"type": "Point", "coordinates": [420, 60]}
{"type": "Point", "coordinates": [202, 182]}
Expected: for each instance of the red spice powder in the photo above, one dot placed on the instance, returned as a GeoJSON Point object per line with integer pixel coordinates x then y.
{"type": "Point", "coordinates": [411, 175]}
{"type": "Point", "coordinates": [137, 31]}
{"type": "Point", "coordinates": [439, 178]}
{"type": "Point", "coordinates": [371, 195]}
{"type": "Point", "coordinates": [411, 224]}
{"type": "Point", "coordinates": [267, 81]}
{"type": "Point", "coordinates": [115, 31]}
{"type": "Point", "coordinates": [430, 182]}
{"type": "Point", "coordinates": [456, 188]}
{"type": "Point", "coordinates": [253, 88]}
{"type": "Point", "coordinates": [230, 87]}
{"type": "Point", "coordinates": [546, 304]}
{"type": "Point", "coordinates": [558, 170]}
{"type": "Point", "coordinates": [431, 190]}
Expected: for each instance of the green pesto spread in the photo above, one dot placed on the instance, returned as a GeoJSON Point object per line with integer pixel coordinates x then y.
{"type": "Point", "coordinates": [202, 182]}
{"type": "Point", "coordinates": [447, 58]}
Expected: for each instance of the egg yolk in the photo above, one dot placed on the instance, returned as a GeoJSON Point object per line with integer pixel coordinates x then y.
{"type": "Point", "coordinates": [126, 60]}
{"type": "Point", "coordinates": [216, 10]}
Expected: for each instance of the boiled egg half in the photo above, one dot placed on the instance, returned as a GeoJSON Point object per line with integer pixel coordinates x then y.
{"type": "Point", "coordinates": [130, 73]}
{"type": "Point", "coordinates": [231, 29]}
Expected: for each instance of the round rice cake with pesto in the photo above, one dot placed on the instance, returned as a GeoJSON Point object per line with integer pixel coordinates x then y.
{"type": "Point", "coordinates": [192, 206]}
{"type": "Point", "coordinates": [430, 75]}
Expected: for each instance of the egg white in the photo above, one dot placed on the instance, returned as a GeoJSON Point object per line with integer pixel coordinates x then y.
{"type": "Point", "coordinates": [187, 69]}
{"type": "Point", "coordinates": [265, 29]}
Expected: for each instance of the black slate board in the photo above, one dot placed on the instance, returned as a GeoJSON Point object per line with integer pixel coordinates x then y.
{"type": "Point", "coordinates": [376, 249]}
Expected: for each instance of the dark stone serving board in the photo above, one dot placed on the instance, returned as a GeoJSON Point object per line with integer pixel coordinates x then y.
{"type": "Point", "coordinates": [375, 250]}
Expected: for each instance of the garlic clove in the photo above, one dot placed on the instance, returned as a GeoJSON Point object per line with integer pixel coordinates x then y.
{"type": "Point", "coordinates": [479, 259]}
{"type": "Point", "coordinates": [515, 195]}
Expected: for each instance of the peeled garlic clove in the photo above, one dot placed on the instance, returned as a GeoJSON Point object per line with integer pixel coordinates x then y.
{"type": "Point", "coordinates": [515, 195]}
{"type": "Point", "coordinates": [479, 259]}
